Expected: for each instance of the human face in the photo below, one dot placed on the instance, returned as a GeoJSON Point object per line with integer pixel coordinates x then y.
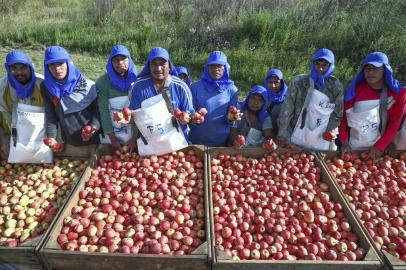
{"type": "Point", "coordinates": [374, 76]}
{"type": "Point", "coordinates": [120, 64]}
{"type": "Point", "coordinates": [216, 71]}
{"type": "Point", "coordinates": [321, 66]}
{"type": "Point", "coordinates": [255, 102]}
{"type": "Point", "coordinates": [183, 77]}
{"type": "Point", "coordinates": [159, 69]}
{"type": "Point", "coordinates": [21, 72]}
{"type": "Point", "coordinates": [274, 83]}
{"type": "Point", "coordinates": [59, 70]}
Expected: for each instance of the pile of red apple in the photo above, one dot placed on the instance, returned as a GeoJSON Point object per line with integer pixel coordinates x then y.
{"type": "Point", "coordinates": [30, 196]}
{"type": "Point", "coordinates": [276, 208]}
{"type": "Point", "coordinates": [139, 205]}
{"type": "Point", "coordinates": [376, 191]}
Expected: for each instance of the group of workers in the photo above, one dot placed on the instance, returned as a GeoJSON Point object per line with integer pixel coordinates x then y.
{"type": "Point", "coordinates": [312, 111]}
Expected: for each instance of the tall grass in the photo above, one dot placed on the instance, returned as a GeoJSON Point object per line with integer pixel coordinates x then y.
{"type": "Point", "coordinates": [255, 34]}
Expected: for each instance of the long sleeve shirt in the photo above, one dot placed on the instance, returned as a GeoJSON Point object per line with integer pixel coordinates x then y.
{"type": "Point", "coordinates": [215, 129]}
{"type": "Point", "coordinates": [180, 96]}
{"type": "Point", "coordinates": [295, 98]}
{"type": "Point", "coordinates": [72, 123]}
{"type": "Point", "coordinates": [396, 109]}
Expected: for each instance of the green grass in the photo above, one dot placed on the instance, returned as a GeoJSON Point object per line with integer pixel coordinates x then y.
{"type": "Point", "coordinates": [256, 35]}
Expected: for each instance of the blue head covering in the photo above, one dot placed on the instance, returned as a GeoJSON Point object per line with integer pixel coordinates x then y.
{"type": "Point", "coordinates": [278, 97]}
{"type": "Point", "coordinates": [121, 83]}
{"type": "Point", "coordinates": [258, 89]}
{"type": "Point", "coordinates": [18, 57]}
{"type": "Point", "coordinates": [318, 79]}
{"type": "Point", "coordinates": [63, 88]}
{"type": "Point", "coordinates": [158, 52]}
{"type": "Point", "coordinates": [377, 59]}
{"type": "Point", "coordinates": [218, 58]}
{"type": "Point", "coordinates": [183, 70]}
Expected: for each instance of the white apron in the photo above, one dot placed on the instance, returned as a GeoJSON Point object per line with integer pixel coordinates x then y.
{"type": "Point", "coordinates": [363, 119]}
{"type": "Point", "coordinates": [254, 138]}
{"type": "Point", "coordinates": [122, 131]}
{"type": "Point", "coordinates": [318, 113]}
{"type": "Point", "coordinates": [159, 136]}
{"type": "Point", "coordinates": [28, 146]}
{"type": "Point", "coordinates": [400, 138]}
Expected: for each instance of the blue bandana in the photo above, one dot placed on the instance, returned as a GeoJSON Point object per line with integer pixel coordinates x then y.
{"type": "Point", "coordinates": [278, 97]}
{"type": "Point", "coordinates": [218, 58]}
{"type": "Point", "coordinates": [121, 83]}
{"type": "Point", "coordinates": [318, 79]}
{"type": "Point", "coordinates": [157, 52]}
{"type": "Point", "coordinates": [18, 57]}
{"type": "Point", "coordinates": [63, 88]}
{"type": "Point", "coordinates": [183, 70]}
{"type": "Point", "coordinates": [376, 59]}
{"type": "Point", "coordinates": [258, 89]}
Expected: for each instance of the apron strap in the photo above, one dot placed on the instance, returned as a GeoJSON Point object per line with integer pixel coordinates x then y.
{"type": "Point", "coordinates": [383, 109]}
{"type": "Point", "coordinates": [306, 102]}
{"type": "Point", "coordinates": [166, 94]}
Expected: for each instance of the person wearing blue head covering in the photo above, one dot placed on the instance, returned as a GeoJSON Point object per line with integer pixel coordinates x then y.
{"type": "Point", "coordinates": [20, 85]}
{"type": "Point", "coordinates": [374, 106]}
{"type": "Point", "coordinates": [312, 111]}
{"type": "Point", "coordinates": [159, 76]}
{"type": "Point", "coordinates": [70, 99]}
{"type": "Point", "coordinates": [183, 75]}
{"type": "Point", "coordinates": [216, 92]}
{"type": "Point", "coordinates": [256, 123]}
{"type": "Point", "coordinates": [112, 87]}
{"type": "Point", "coordinates": [276, 94]}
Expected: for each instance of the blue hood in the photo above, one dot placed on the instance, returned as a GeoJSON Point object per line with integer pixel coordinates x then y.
{"type": "Point", "coordinates": [318, 79]}
{"type": "Point", "coordinates": [221, 84]}
{"type": "Point", "coordinates": [183, 70]}
{"type": "Point", "coordinates": [278, 97]}
{"type": "Point", "coordinates": [375, 58]}
{"type": "Point", "coordinates": [258, 89]}
{"type": "Point", "coordinates": [18, 57]}
{"type": "Point", "coordinates": [121, 83]}
{"type": "Point", "coordinates": [157, 52]}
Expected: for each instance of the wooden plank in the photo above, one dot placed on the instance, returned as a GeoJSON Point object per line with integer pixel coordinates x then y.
{"type": "Point", "coordinates": [57, 259]}
{"type": "Point", "coordinates": [393, 262]}
{"type": "Point", "coordinates": [222, 261]}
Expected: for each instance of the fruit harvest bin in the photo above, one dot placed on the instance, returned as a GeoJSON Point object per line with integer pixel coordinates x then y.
{"type": "Point", "coordinates": [390, 261]}
{"type": "Point", "coordinates": [27, 255]}
{"type": "Point", "coordinates": [223, 261]}
{"type": "Point", "coordinates": [56, 258]}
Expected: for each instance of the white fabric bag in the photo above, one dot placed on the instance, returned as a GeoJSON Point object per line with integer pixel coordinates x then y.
{"type": "Point", "coordinates": [317, 116]}
{"type": "Point", "coordinates": [122, 131]}
{"type": "Point", "coordinates": [155, 124]}
{"type": "Point", "coordinates": [29, 146]}
{"type": "Point", "coordinates": [254, 138]}
{"type": "Point", "coordinates": [364, 120]}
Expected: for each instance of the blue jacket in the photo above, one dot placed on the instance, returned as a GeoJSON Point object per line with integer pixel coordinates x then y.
{"type": "Point", "coordinates": [144, 88]}
{"type": "Point", "coordinates": [215, 129]}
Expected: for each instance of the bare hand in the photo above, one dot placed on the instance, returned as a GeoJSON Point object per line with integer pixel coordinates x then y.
{"type": "Point", "coordinates": [294, 147]}
{"type": "Point", "coordinates": [391, 149]}
{"type": "Point", "coordinates": [132, 145]}
{"type": "Point", "coordinates": [374, 153]}
{"type": "Point", "coordinates": [280, 141]}
{"type": "Point", "coordinates": [115, 142]}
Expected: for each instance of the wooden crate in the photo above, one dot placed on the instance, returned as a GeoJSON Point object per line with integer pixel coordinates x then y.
{"type": "Point", "coordinates": [57, 259]}
{"type": "Point", "coordinates": [222, 261]}
{"type": "Point", "coordinates": [391, 261]}
{"type": "Point", "coordinates": [27, 255]}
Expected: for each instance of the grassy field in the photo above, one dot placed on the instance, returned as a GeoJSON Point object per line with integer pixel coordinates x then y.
{"type": "Point", "coordinates": [256, 35]}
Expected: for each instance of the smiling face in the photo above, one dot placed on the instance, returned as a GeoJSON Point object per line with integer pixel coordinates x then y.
{"type": "Point", "coordinates": [374, 76]}
{"type": "Point", "coordinates": [21, 72]}
{"type": "Point", "coordinates": [59, 70]}
{"type": "Point", "coordinates": [255, 102]}
{"type": "Point", "coordinates": [216, 71]}
{"type": "Point", "coordinates": [321, 66]}
{"type": "Point", "coordinates": [120, 64]}
{"type": "Point", "coordinates": [159, 69]}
